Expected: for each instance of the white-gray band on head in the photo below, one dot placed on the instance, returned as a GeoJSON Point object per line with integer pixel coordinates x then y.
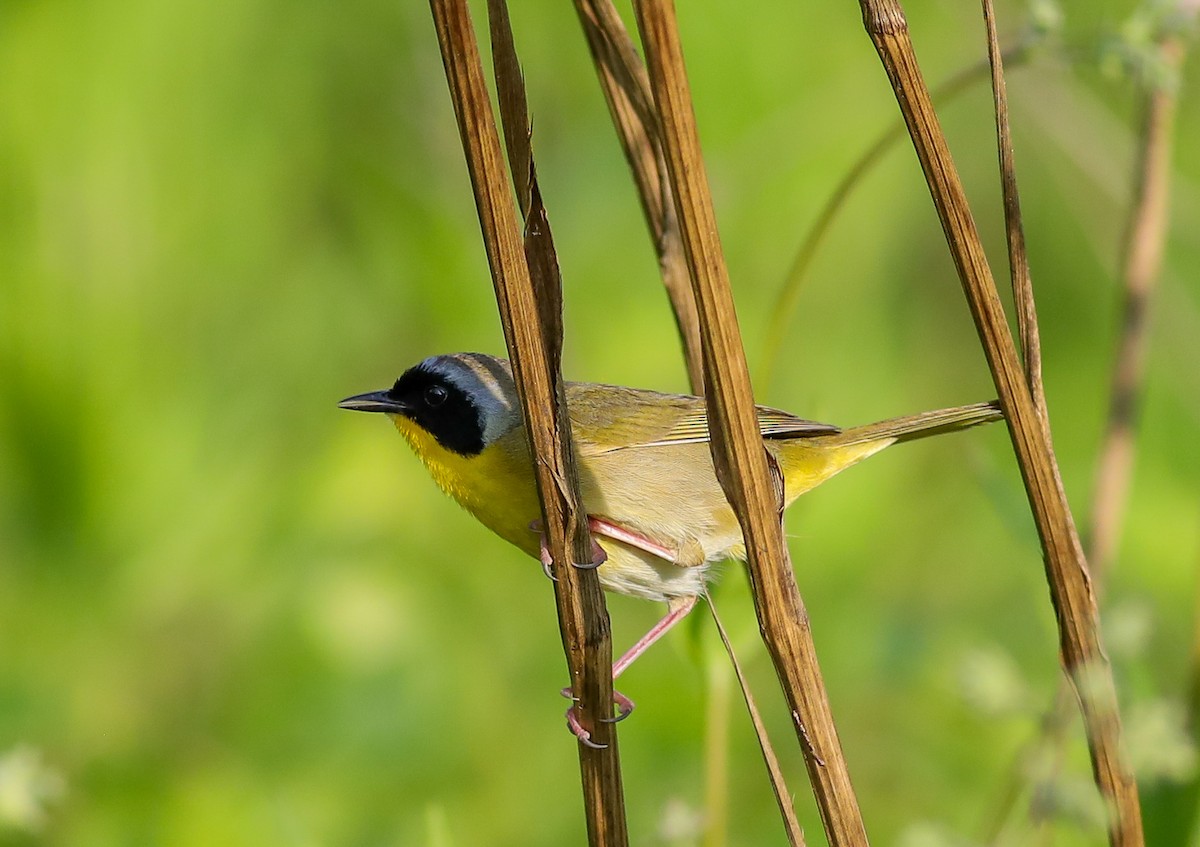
{"type": "Point", "coordinates": [488, 382]}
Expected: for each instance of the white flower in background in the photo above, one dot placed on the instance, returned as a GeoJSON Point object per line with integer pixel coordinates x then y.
{"type": "Point", "coordinates": [27, 787]}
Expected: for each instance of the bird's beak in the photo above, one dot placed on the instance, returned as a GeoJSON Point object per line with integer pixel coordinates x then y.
{"type": "Point", "coordinates": [373, 401]}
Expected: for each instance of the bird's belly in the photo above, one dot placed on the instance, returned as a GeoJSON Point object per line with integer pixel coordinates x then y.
{"type": "Point", "coordinates": [628, 570]}
{"type": "Point", "coordinates": [669, 495]}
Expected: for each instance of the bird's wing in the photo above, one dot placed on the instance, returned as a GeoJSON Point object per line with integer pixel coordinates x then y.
{"type": "Point", "coordinates": [772, 423]}
{"type": "Point", "coordinates": [611, 418]}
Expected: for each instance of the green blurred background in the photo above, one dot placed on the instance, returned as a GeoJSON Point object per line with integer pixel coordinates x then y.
{"type": "Point", "coordinates": [231, 614]}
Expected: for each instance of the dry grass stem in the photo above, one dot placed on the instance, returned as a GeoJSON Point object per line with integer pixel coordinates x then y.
{"type": "Point", "coordinates": [1018, 256]}
{"type": "Point", "coordinates": [532, 347]}
{"type": "Point", "coordinates": [791, 823]}
{"type": "Point", "coordinates": [753, 487]}
{"type": "Point", "coordinates": [1066, 568]}
{"type": "Point", "coordinates": [1141, 264]}
{"type": "Point", "coordinates": [626, 89]}
{"type": "Point", "coordinates": [539, 242]}
{"type": "Point", "coordinates": [627, 92]}
{"type": "Point", "coordinates": [513, 104]}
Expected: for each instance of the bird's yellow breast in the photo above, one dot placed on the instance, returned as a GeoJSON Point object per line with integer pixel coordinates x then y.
{"type": "Point", "coordinates": [496, 485]}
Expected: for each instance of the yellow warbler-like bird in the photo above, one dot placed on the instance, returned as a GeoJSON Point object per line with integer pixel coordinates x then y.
{"type": "Point", "coordinates": [645, 472]}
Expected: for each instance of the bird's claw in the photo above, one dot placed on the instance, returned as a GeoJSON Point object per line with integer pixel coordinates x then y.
{"type": "Point", "coordinates": [599, 557]}
{"type": "Point", "coordinates": [624, 708]}
{"type": "Point", "coordinates": [585, 737]}
{"type": "Point", "coordinates": [547, 561]}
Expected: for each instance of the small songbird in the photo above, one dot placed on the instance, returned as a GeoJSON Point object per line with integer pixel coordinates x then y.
{"type": "Point", "coordinates": [645, 472]}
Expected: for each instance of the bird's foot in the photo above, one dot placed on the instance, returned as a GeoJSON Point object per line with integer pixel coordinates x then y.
{"type": "Point", "coordinates": [624, 707]}
{"type": "Point", "coordinates": [599, 557]}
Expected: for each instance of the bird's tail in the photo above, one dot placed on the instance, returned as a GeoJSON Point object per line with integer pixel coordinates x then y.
{"type": "Point", "coordinates": [912, 427]}
{"type": "Point", "coordinates": [810, 461]}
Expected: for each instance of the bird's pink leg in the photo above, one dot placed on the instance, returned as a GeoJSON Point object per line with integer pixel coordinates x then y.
{"type": "Point", "coordinates": [677, 609]}
{"type": "Point", "coordinates": [602, 527]}
{"type": "Point", "coordinates": [608, 529]}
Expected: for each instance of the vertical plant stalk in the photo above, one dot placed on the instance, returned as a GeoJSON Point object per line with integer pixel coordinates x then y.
{"type": "Point", "coordinates": [1066, 568]}
{"type": "Point", "coordinates": [627, 91]}
{"type": "Point", "coordinates": [1141, 264]}
{"type": "Point", "coordinates": [1018, 257]}
{"type": "Point", "coordinates": [1014, 232]}
{"type": "Point", "coordinates": [626, 88]}
{"type": "Point", "coordinates": [1172, 808]}
{"type": "Point", "coordinates": [753, 487]}
{"type": "Point", "coordinates": [1142, 254]}
{"type": "Point", "coordinates": [582, 616]}
{"type": "Point", "coordinates": [1055, 722]}
{"type": "Point", "coordinates": [791, 823]}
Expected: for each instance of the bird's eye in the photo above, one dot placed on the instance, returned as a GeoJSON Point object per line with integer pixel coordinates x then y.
{"type": "Point", "coordinates": [435, 396]}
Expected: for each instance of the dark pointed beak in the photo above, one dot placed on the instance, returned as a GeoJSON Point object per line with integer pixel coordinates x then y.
{"type": "Point", "coordinates": [373, 401]}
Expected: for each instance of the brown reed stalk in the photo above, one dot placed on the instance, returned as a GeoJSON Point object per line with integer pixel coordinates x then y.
{"type": "Point", "coordinates": [627, 91]}
{"type": "Point", "coordinates": [626, 88]}
{"type": "Point", "coordinates": [752, 485]}
{"type": "Point", "coordinates": [533, 346]}
{"type": "Point", "coordinates": [1066, 568]}
{"type": "Point", "coordinates": [1018, 257]}
{"type": "Point", "coordinates": [1141, 264]}
{"type": "Point", "coordinates": [1054, 724]}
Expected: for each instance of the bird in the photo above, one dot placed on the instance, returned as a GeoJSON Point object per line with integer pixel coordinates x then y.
{"type": "Point", "coordinates": [646, 477]}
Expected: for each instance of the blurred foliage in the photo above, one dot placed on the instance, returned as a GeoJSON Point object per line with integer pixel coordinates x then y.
{"type": "Point", "coordinates": [230, 614]}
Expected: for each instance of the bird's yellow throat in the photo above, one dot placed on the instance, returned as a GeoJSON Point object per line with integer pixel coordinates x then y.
{"type": "Point", "coordinates": [448, 469]}
{"type": "Point", "coordinates": [496, 486]}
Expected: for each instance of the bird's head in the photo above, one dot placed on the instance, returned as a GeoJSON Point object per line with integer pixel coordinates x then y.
{"type": "Point", "coordinates": [465, 401]}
